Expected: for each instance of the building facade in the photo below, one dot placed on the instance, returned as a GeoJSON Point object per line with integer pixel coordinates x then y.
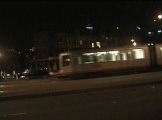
{"type": "Point", "coordinates": [48, 45]}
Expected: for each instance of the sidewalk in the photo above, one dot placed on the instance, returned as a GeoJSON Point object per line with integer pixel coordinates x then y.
{"type": "Point", "coordinates": [51, 87]}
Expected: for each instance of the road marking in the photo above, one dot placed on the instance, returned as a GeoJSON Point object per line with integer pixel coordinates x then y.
{"type": "Point", "coordinates": [13, 114]}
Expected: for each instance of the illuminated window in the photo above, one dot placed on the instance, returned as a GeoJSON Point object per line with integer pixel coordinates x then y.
{"type": "Point", "coordinates": [89, 28]}
{"type": "Point", "coordinates": [101, 56]}
{"type": "Point", "coordinates": [92, 45]}
{"type": "Point", "coordinates": [138, 54]}
{"type": "Point", "coordinates": [98, 44]}
{"type": "Point", "coordinates": [78, 60]}
{"type": "Point", "coordinates": [129, 55]}
{"type": "Point", "coordinates": [89, 58]}
{"type": "Point", "coordinates": [124, 56]}
{"type": "Point", "coordinates": [161, 50]}
{"type": "Point", "coordinates": [66, 60]}
{"type": "Point", "coordinates": [112, 56]}
{"type": "Point", "coordinates": [81, 42]}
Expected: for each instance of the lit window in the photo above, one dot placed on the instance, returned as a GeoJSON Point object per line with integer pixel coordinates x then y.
{"type": "Point", "coordinates": [89, 28]}
{"type": "Point", "coordinates": [92, 45]}
{"type": "Point", "coordinates": [138, 53]}
{"type": "Point", "coordinates": [129, 55]}
{"type": "Point", "coordinates": [112, 56]}
{"type": "Point", "coordinates": [81, 42]}
{"type": "Point", "coordinates": [98, 44]}
{"type": "Point", "coordinates": [100, 56]}
{"type": "Point", "coordinates": [89, 58]}
{"type": "Point", "coordinates": [161, 50]}
{"type": "Point", "coordinates": [124, 56]}
{"type": "Point", "coordinates": [66, 60]}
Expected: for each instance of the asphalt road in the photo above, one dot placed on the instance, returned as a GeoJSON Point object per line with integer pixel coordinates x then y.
{"type": "Point", "coordinates": [52, 87]}
{"type": "Point", "coordinates": [133, 103]}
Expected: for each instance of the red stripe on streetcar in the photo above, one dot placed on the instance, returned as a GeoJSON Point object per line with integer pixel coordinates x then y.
{"type": "Point", "coordinates": [102, 70]}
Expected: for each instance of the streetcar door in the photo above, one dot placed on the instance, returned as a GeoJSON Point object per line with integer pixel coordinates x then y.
{"type": "Point", "coordinates": [65, 64]}
{"type": "Point", "coordinates": [152, 55]}
{"type": "Point", "coordinates": [78, 64]}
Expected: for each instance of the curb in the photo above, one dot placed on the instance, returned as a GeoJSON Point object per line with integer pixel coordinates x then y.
{"type": "Point", "coordinates": [79, 91]}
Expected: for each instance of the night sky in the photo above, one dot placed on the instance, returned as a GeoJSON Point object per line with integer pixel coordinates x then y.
{"type": "Point", "coordinates": [20, 19]}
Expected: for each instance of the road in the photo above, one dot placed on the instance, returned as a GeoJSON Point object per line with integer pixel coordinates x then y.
{"type": "Point", "coordinates": [133, 103]}
{"type": "Point", "coordinates": [51, 86]}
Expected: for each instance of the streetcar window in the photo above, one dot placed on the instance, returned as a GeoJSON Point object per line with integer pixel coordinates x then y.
{"type": "Point", "coordinates": [124, 56]}
{"type": "Point", "coordinates": [78, 60]}
{"type": "Point", "coordinates": [161, 50]}
{"type": "Point", "coordinates": [66, 60]}
{"type": "Point", "coordinates": [112, 56]}
{"type": "Point", "coordinates": [138, 54]}
{"type": "Point", "coordinates": [100, 56]}
{"type": "Point", "coordinates": [89, 58]}
{"type": "Point", "coordinates": [129, 55]}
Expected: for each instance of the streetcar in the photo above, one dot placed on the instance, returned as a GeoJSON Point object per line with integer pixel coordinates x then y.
{"type": "Point", "coordinates": [79, 63]}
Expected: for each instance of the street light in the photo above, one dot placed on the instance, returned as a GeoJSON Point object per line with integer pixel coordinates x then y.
{"type": "Point", "coordinates": [134, 44]}
{"type": "Point", "coordinates": [160, 16]}
{"type": "Point", "coordinates": [132, 40]}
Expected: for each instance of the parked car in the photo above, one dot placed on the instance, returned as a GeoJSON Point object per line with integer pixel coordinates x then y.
{"type": "Point", "coordinates": [36, 74]}
{"type": "Point", "coordinates": [22, 75]}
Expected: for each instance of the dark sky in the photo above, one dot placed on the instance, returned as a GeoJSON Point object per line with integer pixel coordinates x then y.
{"type": "Point", "coordinates": [20, 19]}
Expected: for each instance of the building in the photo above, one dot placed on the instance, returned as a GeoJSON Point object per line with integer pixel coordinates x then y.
{"type": "Point", "coordinates": [48, 45]}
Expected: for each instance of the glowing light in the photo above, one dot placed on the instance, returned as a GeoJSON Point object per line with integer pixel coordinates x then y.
{"type": "Point", "coordinates": [1, 91]}
{"type": "Point", "coordinates": [114, 52]}
{"type": "Point", "coordinates": [150, 33]}
{"type": "Point", "coordinates": [138, 28]}
{"type": "Point", "coordinates": [160, 16]}
{"type": "Point", "coordinates": [92, 45]}
{"type": "Point", "coordinates": [159, 31]}
{"type": "Point", "coordinates": [139, 53]}
{"type": "Point", "coordinates": [81, 42]}
{"type": "Point", "coordinates": [89, 28]}
{"type": "Point", "coordinates": [132, 40]}
{"type": "Point", "coordinates": [134, 44]}
{"type": "Point", "coordinates": [98, 44]}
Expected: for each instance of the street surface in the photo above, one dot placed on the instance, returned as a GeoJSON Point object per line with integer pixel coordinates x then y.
{"type": "Point", "coordinates": [133, 103]}
{"type": "Point", "coordinates": [53, 86]}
